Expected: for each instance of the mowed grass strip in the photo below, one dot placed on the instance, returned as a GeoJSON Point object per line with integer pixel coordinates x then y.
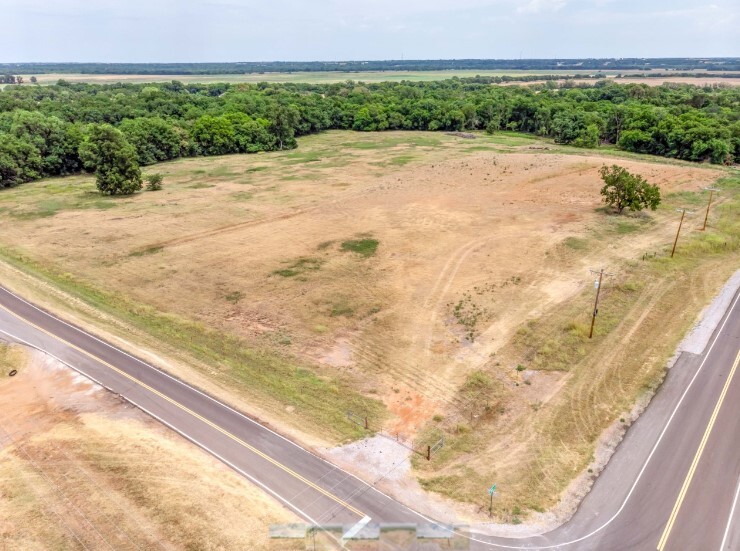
{"type": "Point", "coordinates": [319, 403]}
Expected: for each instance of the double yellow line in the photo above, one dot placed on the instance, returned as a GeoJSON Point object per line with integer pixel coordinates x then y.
{"type": "Point", "coordinates": [697, 457]}
{"type": "Point", "coordinates": [194, 414]}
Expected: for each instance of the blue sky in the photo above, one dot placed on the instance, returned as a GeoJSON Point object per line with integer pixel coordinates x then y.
{"type": "Point", "coordinates": [250, 30]}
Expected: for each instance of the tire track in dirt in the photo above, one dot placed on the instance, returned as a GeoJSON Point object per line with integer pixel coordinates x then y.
{"type": "Point", "coordinates": [447, 275]}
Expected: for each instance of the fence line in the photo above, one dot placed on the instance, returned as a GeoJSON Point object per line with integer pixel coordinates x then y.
{"type": "Point", "coordinates": [425, 452]}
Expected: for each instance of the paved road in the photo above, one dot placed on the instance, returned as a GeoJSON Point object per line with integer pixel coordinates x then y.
{"type": "Point", "coordinates": [673, 482]}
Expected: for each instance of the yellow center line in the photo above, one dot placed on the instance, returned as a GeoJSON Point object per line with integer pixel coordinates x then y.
{"type": "Point", "coordinates": [697, 457]}
{"type": "Point", "coordinates": [194, 414]}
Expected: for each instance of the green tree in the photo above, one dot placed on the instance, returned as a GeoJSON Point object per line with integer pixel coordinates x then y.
{"type": "Point", "coordinates": [214, 135]}
{"type": "Point", "coordinates": [56, 141]}
{"type": "Point", "coordinates": [284, 120]}
{"type": "Point", "coordinates": [19, 161]}
{"type": "Point", "coordinates": [154, 138]}
{"type": "Point", "coordinates": [623, 190]}
{"type": "Point", "coordinates": [106, 152]}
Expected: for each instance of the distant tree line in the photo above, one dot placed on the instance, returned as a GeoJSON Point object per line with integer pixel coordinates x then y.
{"type": "Point", "coordinates": [11, 79]}
{"type": "Point", "coordinates": [64, 128]}
{"type": "Point", "coordinates": [642, 64]}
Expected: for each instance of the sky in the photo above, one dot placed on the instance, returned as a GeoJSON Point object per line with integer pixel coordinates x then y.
{"type": "Point", "coordinates": [304, 30]}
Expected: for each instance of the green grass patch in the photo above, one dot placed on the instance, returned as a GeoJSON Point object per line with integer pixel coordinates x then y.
{"type": "Point", "coordinates": [47, 198]}
{"type": "Point", "coordinates": [253, 169]}
{"type": "Point", "coordinates": [311, 156]}
{"type": "Point", "coordinates": [364, 247]}
{"type": "Point", "coordinates": [576, 243]}
{"type": "Point", "coordinates": [374, 141]}
{"type": "Point", "coordinates": [222, 172]}
{"type": "Point", "coordinates": [201, 185]}
{"type": "Point", "coordinates": [300, 266]}
{"type": "Point", "coordinates": [512, 139]}
{"type": "Point", "coordinates": [402, 160]}
{"type": "Point", "coordinates": [306, 176]}
{"type": "Point", "coordinates": [623, 227]}
{"type": "Point", "coordinates": [686, 199]}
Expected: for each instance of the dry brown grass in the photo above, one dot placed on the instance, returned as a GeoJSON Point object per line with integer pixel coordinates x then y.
{"type": "Point", "coordinates": [253, 246]}
{"type": "Point", "coordinates": [81, 470]}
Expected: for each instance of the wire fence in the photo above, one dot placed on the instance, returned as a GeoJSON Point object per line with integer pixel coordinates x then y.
{"type": "Point", "coordinates": [422, 450]}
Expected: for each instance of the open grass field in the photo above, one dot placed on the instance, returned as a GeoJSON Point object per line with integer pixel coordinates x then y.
{"type": "Point", "coordinates": [440, 284]}
{"type": "Point", "coordinates": [369, 76]}
{"type": "Point", "coordinates": [79, 469]}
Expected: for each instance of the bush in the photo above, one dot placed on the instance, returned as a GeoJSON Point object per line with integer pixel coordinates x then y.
{"type": "Point", "coordinates": [154, 181]}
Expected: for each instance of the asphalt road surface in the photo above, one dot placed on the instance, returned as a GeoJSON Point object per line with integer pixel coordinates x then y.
{"type": "Point", "coordinates": [672, 484]}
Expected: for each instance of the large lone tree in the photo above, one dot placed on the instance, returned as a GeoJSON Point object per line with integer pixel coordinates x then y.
{"type": "Point", "coordinates": [113, 159]}
{"type": "Point", "coordinates": [623, 190]}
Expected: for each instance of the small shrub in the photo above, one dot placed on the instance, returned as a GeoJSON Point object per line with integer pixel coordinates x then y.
{"type": "Point", "coordinates": [234, 297]}
{"type": "Point", "coordinates": [154, 181]}
{"type": "Point", "coordinates": [629, 286]}
{"type": "Point", "coordinates": [478, 380]}
{"type": "Point", "coordinates": [149, 250]}
{"type": "Point", "coordinates": [520, 367]}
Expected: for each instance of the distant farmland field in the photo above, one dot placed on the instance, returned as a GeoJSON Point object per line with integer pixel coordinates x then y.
{"type": "Point", "coordinates": [374, 76]}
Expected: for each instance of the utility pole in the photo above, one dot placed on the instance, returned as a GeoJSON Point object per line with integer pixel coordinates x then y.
{"type": "Point", "coordinates": [596, 303]}
{"type": "Point", "coordinates": [675, 241]}
{"type": "Point", "coordinates": [711, 191]}
{"type": "Point", "coordinates": [597, 283]}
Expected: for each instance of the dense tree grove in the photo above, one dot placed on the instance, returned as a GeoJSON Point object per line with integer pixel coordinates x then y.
{"type": "Point", "coordinates": [44, 129]}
